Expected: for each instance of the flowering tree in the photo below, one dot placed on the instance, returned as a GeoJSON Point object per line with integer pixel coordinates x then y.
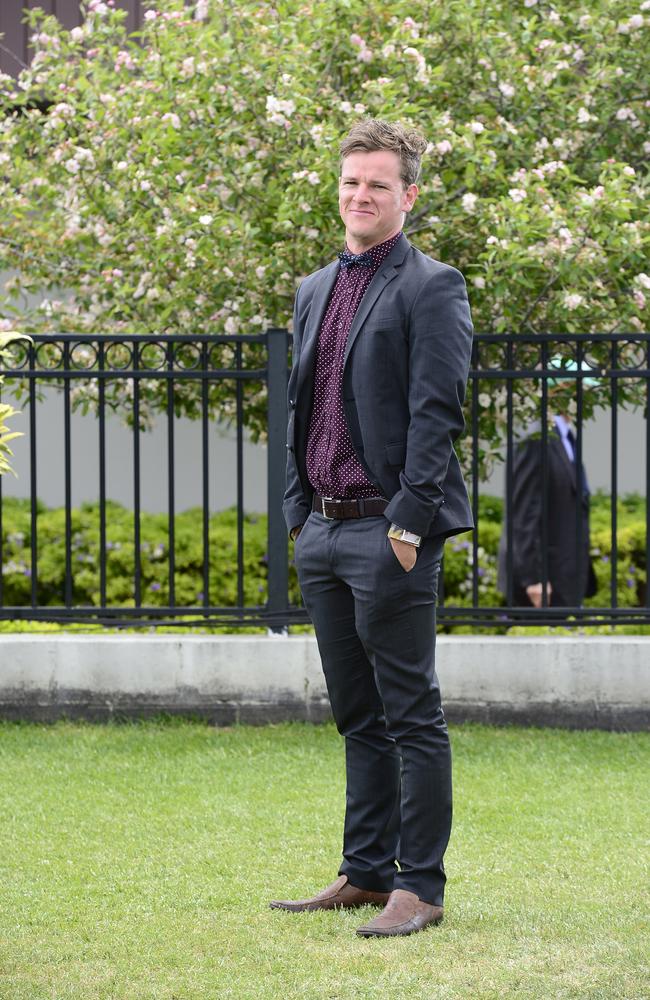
{"type": "Point", "coordinates": [6, 409]}
{"type": "Point", "coordinates": [184, 180]}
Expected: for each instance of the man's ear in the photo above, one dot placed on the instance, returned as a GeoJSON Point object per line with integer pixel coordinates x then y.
{"type": "Point", "coordinates": [410, 194]}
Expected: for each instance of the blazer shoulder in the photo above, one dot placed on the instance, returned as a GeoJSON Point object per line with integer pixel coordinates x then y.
{"type": "Point", "coordinates": [433, 268]}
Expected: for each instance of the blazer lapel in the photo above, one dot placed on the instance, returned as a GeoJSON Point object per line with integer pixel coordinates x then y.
{"type": "Point", "coordinates": [314, 322]}
{"type": "Point", "coordinates": [569, 465]}
{"type": "Point", "coordinates": [384, 275]}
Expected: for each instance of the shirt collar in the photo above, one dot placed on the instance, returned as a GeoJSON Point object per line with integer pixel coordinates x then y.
{"type": "Point", "coordinates": [380, 251]}
{"type": "Point", "coordinates": [562, 426]}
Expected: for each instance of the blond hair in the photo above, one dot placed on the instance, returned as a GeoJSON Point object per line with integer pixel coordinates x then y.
{"type": "Point", "coordinates": [373, 134]}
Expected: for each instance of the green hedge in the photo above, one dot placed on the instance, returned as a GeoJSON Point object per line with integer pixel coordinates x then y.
{"type": "Point", "coordinates": [120, 557]}
{"type": "Point", "coordinates": [631, 562]}
{"type": "Point", "coordinates": [16, 525]}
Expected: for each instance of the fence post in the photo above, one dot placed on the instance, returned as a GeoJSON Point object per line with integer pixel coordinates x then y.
{"type": "Point", "coordinates": [278, 570]}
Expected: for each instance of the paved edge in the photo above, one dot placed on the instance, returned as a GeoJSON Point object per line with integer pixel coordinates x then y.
{"type": "Point", "coordinates": [573, 682]}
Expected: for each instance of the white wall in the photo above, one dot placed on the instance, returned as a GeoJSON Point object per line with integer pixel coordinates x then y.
{"type": "Point", "coordinates": [119, 462]}
{"type": "Point", "coordinates": [566, 681]}
{"type": "Point", "coordinates": [633, 475]}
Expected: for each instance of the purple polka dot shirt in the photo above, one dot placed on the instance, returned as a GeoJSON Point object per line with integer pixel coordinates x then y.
{"type": "Point", "coordinates": [332, 465]}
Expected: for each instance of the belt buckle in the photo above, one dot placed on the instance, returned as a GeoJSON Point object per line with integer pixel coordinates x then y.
{"type": "Point", "coordinates": [323, 501]}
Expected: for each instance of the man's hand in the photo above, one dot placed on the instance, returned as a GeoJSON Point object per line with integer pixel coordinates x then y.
{"type": "Point", "coordinates": [405, 552]}
{"type": "Point", "coordinates": [534, 591]}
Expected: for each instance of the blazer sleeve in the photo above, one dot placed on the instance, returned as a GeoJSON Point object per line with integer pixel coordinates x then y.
{"type": "Point", "coordinates": [440, 347]}
{"type": "Point", "coordinates": [294, 507]}
{"type": "Point", "coordinates": [527, 513]}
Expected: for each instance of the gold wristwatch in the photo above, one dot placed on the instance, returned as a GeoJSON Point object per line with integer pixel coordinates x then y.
{"type": "Point", "coordinates": [402, 535]}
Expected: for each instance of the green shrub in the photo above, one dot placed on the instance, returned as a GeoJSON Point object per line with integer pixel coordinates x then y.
{"type": "Point", "coordinates": [120, 557]}
{"type": "Point", "coordinates": [188, 578]}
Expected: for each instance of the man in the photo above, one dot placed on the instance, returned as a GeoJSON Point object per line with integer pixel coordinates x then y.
{"type": "Point", "coordinates": [570, 573]}
{"type": "Point", "coordinates": [382, 341]}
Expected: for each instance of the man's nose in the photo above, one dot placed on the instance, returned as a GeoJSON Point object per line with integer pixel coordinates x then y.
{"type": "Point", "coordinates": [362, 193]}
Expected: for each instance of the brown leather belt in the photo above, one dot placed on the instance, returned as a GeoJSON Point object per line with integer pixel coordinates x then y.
{"type": "Point", "coordinates": [335, 510]}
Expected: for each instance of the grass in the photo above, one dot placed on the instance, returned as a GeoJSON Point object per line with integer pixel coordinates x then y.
{"type": "Point", "coordinates": [137, 862]}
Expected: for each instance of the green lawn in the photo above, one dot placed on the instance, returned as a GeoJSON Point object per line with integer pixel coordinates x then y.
{"type": "Point", "coordinates": [137, 862]}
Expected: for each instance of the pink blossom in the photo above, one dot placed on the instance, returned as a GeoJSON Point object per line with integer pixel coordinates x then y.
{"type": "Point", "coordinates": [639, 299]}
{"type": "Point", "coordinates": [573, 300]}
{"type": "Point", "coordinates": [411, 26]}
{"type": "Point", "coordinates": [124, 58]}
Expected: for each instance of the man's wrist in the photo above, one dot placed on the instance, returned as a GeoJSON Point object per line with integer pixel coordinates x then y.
{"type": "Point", "coordinates": [402, 535]}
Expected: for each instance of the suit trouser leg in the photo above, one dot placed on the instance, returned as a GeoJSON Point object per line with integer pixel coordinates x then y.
{"type": "Point", "coordinates": [371, 828]}
{"type": "Point", "coordinates": [375, 626]}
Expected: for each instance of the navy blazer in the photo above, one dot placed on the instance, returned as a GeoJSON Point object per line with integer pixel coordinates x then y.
{"type": "Point", "coordinates": [570, 570]}
{"type": "Point", "coordinates": [405, 373]}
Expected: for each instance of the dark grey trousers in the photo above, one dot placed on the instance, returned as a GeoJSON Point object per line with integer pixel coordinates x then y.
{"type": "Point", "coordinates": [376, 626]}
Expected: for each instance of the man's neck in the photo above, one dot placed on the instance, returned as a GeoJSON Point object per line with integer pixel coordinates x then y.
{"type": "Point", "coordinates": [358, 246]}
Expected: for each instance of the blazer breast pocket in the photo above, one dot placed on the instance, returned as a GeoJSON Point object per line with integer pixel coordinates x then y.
{"type": "Point", "coordinates": [386, 319]}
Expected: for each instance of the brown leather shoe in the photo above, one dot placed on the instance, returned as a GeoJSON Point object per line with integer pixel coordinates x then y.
{"type": "Point", "coordinates": [339, 895]}
{"type": "Point", "coordinates": [405, 913]}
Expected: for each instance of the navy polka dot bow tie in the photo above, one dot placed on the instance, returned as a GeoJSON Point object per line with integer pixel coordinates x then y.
{"type": "Point", "coordinates": [348, 259]}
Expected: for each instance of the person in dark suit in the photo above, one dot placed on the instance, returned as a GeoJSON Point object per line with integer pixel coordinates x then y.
{"type": "Point", "coordinates": [571, 575]}
{"type": "Point", "coordinates": [381, 351]}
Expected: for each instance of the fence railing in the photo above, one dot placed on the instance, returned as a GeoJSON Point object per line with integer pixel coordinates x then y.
{"type": "Point", "coordinates": [512, 379]}
{"type": "Point", "coordinates": [596, 370]}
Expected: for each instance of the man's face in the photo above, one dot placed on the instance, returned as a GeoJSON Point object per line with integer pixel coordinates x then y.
{"type": "Point", "coordinates": [372, 198]}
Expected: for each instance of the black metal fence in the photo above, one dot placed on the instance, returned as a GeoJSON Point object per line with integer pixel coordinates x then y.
{"type": "Point", "coordinates": [506, 372]}
{"type": "Point", "coordinates": [607, 370]}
